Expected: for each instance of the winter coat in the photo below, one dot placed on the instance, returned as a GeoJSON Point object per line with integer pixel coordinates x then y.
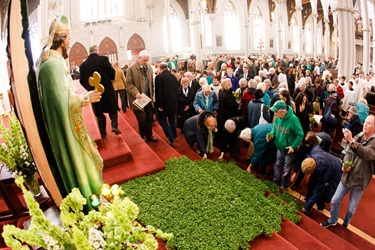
{"type": "Point", "coordinates": [363, 158]}
{"type": "Point", "coordinates": [287, 131]}
{"type": "Point", "coordinates": [325, 179]}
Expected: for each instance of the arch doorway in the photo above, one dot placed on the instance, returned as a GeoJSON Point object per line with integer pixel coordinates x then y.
{"type": "Point", "coordinates": [77, 54]}
{"type": "Point", "coordinates": [135, 45]}
{"type": "Point", "coordinates": [108, 48]}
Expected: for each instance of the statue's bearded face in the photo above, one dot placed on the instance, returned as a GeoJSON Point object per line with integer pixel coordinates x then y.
{"type": "Point", "coordinates": [65, 46]}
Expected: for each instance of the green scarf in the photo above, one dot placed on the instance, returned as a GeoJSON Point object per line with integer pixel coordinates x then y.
{"type": "Point", "coordinates": [210, 142]}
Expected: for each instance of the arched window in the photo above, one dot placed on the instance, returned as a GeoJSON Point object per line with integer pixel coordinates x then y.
{"type": "Point", "coordinates": [231, 37]}
{"type": "Point", "coordinates": [175, 30]}
{"type": "Point", "coordinates": [308, 36]}
{"type": "Point", "coordinates": [97, 10]}
{"type": "Point", "coordinates": [295, 32]}
{"type": "Point", "coordinates": [258, 27]}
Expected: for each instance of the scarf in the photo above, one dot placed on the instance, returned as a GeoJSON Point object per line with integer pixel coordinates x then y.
{"type": "Point", "coordinates": [185, 92]}
{"type": "Point", "coordinates": [210, 142]}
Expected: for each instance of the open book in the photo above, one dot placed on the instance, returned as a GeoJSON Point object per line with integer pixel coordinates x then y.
{"type": "Point", "coordinates": [141, 103]}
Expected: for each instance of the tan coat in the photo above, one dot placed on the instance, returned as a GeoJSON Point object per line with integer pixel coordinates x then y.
{"type": "Point", "coordinates": [133, 82]}
{"type": "Point", "coordinates": [119, 81]}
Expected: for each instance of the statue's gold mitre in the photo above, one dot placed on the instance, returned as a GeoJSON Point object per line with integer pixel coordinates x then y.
{"type": "Point", "coordinates": [59, 25]}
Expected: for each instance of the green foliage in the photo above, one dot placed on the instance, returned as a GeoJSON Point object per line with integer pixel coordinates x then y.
{"type": "Point", "coordinates": [210, 205]}
{"type": "Point", "coordinates": [114, 226]}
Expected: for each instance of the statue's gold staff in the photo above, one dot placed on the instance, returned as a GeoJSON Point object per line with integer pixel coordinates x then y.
{"type": "Point", "coordinates": [94, 81]}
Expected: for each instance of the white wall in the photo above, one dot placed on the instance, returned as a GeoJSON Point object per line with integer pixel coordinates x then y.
{"type": "Point", "coordinates": [152, 30]}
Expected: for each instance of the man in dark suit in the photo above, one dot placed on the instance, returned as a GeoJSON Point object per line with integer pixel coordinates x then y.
{"type": "Point", "coordinates": [246, 74]}
{"type": "Point", "coordinates": [238, 71]}
{"type": "Point", "coordinates": [107, 104]}
{"type": "Point", "coordinates": [166, 87]}
{"type": "Point", "coordinates": [139, 80]}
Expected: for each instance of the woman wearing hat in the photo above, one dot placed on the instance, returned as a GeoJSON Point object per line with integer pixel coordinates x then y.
{"type": "Point", "coordinates": [354, 124]}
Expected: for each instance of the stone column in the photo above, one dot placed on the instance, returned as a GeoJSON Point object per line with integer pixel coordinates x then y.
{"type": "Point", "coordinates": [279, 44]}
{"type": "Point", "coordinates": [335, 34]}
{"type": "Point", "coordinates": [195, 32]}
{"type": "Point", "coordinates": [299, 22]}
{"type": "Point", "coordinates": [314, 31]}
{"type": "Point", "coordinates": [167, 4]}
{"type": "Point", "coordinates": [366, 36]}
{"type": "Point", "coordinates": [246, 26]}
{"type": "Point", "coordinates": [326, 38]}
{"type": "Point", "coordinates": [345, 13]}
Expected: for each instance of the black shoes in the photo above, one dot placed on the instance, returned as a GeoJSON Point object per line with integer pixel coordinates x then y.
{"type": "Point", "coordinates": [149, 138]}
{"type": "Point", "coordinates": [327, 224]}
{"type": "Point", "coordinates": [152, 139]}
{"type": "Point", "coordinates": [116, 131]}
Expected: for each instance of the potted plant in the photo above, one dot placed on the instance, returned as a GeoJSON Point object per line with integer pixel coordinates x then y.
{"type": "Point", "coordinates": [15, 153]}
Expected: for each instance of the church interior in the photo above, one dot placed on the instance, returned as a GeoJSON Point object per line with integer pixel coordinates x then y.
{"type": "Point", "coordinates": [281, 33]}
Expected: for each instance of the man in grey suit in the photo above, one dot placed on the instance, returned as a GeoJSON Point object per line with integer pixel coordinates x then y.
{"type": "Point", "coordinates": [139, 80]}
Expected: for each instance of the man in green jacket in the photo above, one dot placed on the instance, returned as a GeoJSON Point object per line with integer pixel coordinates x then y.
{"type": "Point", "coordinates": [288, 135]}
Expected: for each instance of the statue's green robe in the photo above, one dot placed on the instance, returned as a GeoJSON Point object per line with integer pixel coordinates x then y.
{"type": "Point", "coordinates": [78, 159]}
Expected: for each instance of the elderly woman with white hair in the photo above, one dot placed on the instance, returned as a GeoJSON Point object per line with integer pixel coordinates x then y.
{"type": "Point", "coordinates": [302, 87]}
{"type": "Point", "coordinates": [266, 98]}
{"type": "Point", "coordinates": [260, 153]}
{"type": "Point", "coordinates": [229, 142]}
{"type": "Point", "coordinates": [243, 87]}
{"type": "Point", "coordinates": [206, 100]}
{"type": "Point", "coordinates": [273, 77]}
{"type": "Point", "coordinates": [248, 96]}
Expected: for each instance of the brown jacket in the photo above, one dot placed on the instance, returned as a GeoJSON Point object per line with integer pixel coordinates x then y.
{"type": "Point", "coordinates": [119, 81]}
{"type": "Point", "coordinates": [133, 83]}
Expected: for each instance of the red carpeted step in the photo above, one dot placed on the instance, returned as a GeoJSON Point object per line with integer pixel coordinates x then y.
{"type": "Point", "coordinates": [275, 242]}
{"type": "Point", "coordinates": [343, 232]}
{"type": "Point", "coordinates": [91, 124]}
{"type": "Point", "coordinates": [364, 212]}
{"type": "Point", "coordinates": [325, 236]}
{"type": "Point", "coordinates": [161, 148]}
{"type": "Point", "coordinates": [299, 238]}
{"type": "Point", "coordinates": [115, 150]}
{"type": "Point", "coordinates": [144, 162]}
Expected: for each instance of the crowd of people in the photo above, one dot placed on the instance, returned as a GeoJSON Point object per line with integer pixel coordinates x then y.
{"type": "Point", "coordinates": [287, 110]}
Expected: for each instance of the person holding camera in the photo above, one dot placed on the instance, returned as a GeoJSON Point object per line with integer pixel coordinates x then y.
{"type": "Point", "coordinates": [358, 168]}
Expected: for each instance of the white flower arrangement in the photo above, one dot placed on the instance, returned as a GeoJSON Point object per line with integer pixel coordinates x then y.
{"type": "Point", "coordinates": [14, 151]}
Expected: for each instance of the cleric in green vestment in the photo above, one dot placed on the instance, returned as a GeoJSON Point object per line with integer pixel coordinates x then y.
{"type": "Point", "coordinates": [76, 154]}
